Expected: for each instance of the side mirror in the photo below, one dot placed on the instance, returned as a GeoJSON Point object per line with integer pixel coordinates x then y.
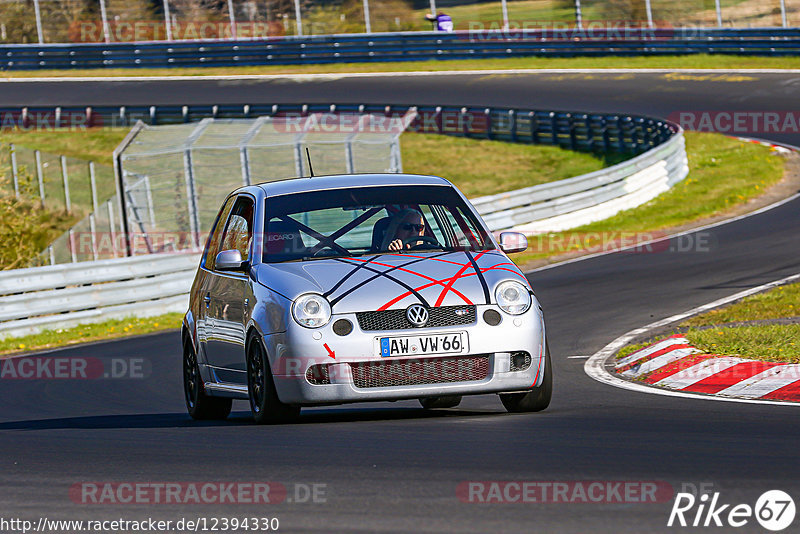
{"type": "Point", "coordinates": [229, 260]}
{"type": "Point", "coordinates": [513, 242]}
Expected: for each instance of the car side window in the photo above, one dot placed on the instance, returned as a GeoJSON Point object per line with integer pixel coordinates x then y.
{"type": "Point", "coordinates": [212, 248]}
{"type": "Point", "coordinates": [238, 230]}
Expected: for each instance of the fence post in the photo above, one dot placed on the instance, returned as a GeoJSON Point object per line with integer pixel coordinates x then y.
{"type": "Point", "coordinates": [297, 20]}
{"type": "Point", "coordinates": [104, 17]}
{"type": "Point", "coordinates": [232, 17]}
{"type": "Point", "coordinates": [366, 16]}
{"type": "Point", "coordinates": [65, 177]}
{"type": "Point", "coordinates": [95, 210]}
{"type": "Point", "coordinates": [14, 170]}
{"type": "Point", "coordinates": [194, 223]}
{"type": "Point", "coordinates": [784, 20]}
{"type": "Point", "coordinates": [71, 239]}
{"type": "Point", "coordinates": [111, 228]}
{"type": "Point", "coordinates": [38, 14]}
{"type": "Point", "coordinates": [52, 254]}
{"type": "Point", "coordinates": [39, 174]}
{"type": "Point", "coordinates": [167, 24]}
{"type": "Point", "coordinates": [93, 230]}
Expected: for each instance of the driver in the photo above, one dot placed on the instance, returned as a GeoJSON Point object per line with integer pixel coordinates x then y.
{"type": "Point", "coordinates": [405, 225]}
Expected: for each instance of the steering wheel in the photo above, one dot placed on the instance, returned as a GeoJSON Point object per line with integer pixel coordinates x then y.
{"type": "Point", "coordinates": [325, 251]}
{"type": "Point", "coordinates": [427, 240]}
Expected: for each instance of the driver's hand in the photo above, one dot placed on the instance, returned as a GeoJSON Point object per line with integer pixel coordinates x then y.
{"type": "Point", "coordinates": [397, 244]}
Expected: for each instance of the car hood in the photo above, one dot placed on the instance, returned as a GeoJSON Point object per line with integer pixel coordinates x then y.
{"type": "Point", "coordinates": [394, 281]}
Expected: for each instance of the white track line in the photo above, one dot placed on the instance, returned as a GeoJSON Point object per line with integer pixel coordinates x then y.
{"type": "Point", "coordinates": [595, 366]}
{"type": "Point", "coordinates": [390, 74]}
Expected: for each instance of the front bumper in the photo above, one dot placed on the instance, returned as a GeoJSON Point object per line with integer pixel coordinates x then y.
{"type": "Point", "coordinates": [293, 352]}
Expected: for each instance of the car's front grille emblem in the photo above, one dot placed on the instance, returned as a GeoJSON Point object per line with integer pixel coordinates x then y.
{"type": "Point", "coordinates": [417, 315]}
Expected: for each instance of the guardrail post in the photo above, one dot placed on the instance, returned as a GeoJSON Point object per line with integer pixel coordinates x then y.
{"type": "Point", "coordinates": [52, 254]}
{"type": "Point", "coordinates": [14, 169]}
{"type": "Point", "coordinates": [534, 126]}
{"type": "Point", "coordinates": [554, 128]}
{"type": "Point", "coordinates": [65, 177]}
{"type": "Point", "coordinates": [573, 139]}
{"type": "Point", "coordinates": [606, 136]}
{"type": "Point", "coordinates": [488, 113]}
{"type": "Point", "coordinates": [512, 125]}
{"type": "Point", "coordinates": [39, 175]}
{"type": "Point", "coordinates": [153, 115]}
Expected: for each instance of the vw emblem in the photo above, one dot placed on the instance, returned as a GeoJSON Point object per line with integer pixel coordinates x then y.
{"type": "Point", "coordinates": [417, 315]}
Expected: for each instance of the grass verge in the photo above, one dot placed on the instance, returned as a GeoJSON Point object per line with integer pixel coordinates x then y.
{"type": "Point", "coordinates": [692, 61]}
{"type": "Point", "coordinates": [723, 173]}
{"type": "Point", "coordinates": [713, 332]}
{"type": "Point", "coordinates": [115, 328]}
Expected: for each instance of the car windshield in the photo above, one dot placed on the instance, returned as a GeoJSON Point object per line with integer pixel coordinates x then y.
{"type": "Point", "coordinates": [369, 220]}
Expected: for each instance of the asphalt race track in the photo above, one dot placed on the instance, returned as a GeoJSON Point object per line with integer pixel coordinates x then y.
{"type": "Point", "coordinates": [394, 467]}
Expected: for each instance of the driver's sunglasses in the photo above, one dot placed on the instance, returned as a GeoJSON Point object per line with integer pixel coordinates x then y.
{"type": "Point", "coordinates": [412, 226]}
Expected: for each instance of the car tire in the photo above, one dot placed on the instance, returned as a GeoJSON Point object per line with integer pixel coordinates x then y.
{"type": "Point", "coordinates": [448, 401]}
{"type": "Point", "coordinates": [199, 405]}
{"type": "Point", "coordinates": [264, 402]}
{"type": "Point", "coordinates": [538, 398]}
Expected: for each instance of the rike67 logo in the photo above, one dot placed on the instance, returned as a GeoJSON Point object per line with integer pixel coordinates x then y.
{"type": "Point", "coordinates": [774, 510]}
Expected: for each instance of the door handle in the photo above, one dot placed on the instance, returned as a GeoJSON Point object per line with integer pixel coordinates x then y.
{"type": "Point", "coordinates": [207, 299]}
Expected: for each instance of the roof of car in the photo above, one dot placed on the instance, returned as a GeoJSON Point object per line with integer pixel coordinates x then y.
{"type": "Point", "coordinates": [338, 181]}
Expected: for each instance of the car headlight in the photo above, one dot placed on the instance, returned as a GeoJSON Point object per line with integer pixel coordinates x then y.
{"type": "Point", "coordinates": [311, 310]}
{"type": "Point", "coordinates": [512, 297]}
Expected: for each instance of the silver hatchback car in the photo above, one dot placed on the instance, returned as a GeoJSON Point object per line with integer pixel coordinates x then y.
{"type": "Point", "coordinates": [338, 289]}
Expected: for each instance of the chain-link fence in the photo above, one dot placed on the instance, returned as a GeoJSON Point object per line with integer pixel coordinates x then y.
{"type": "Point", "coordinates": [176, 176]}
{"type": "Point", "coordinates": [88, 21]}
{"type": "Point", "coordinates": [63, 184]}
{"type": "Point", "coordinates": [57, 183]}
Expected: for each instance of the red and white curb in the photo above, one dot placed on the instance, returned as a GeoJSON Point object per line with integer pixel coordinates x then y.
{"type": "Point", "coordinates": [600, 366]}
{"type": "Point", "coordinates": [674, 363]}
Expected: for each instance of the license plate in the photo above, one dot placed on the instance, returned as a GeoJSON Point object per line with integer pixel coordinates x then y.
{"type": "Point", "coordinates": [452, 343]}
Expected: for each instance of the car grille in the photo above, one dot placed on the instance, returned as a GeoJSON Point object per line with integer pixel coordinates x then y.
{"type": "Point", "coordinates": [396, 319]}
{"type": "Point", "coordinates": [413, 372]}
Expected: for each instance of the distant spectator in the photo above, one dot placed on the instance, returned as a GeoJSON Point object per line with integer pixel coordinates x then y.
{"type": "Point", "coordinates": [442, 22]}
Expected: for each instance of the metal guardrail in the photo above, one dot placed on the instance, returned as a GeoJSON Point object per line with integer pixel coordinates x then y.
{"type": "Point", "coordinates": [590, 197]}
{"type": "Point", "coordinates": [404, 46]}
{"type": "Point", "coordinates": [61, 296]}
{"type": "Point", "coordinates": [151, 284]}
